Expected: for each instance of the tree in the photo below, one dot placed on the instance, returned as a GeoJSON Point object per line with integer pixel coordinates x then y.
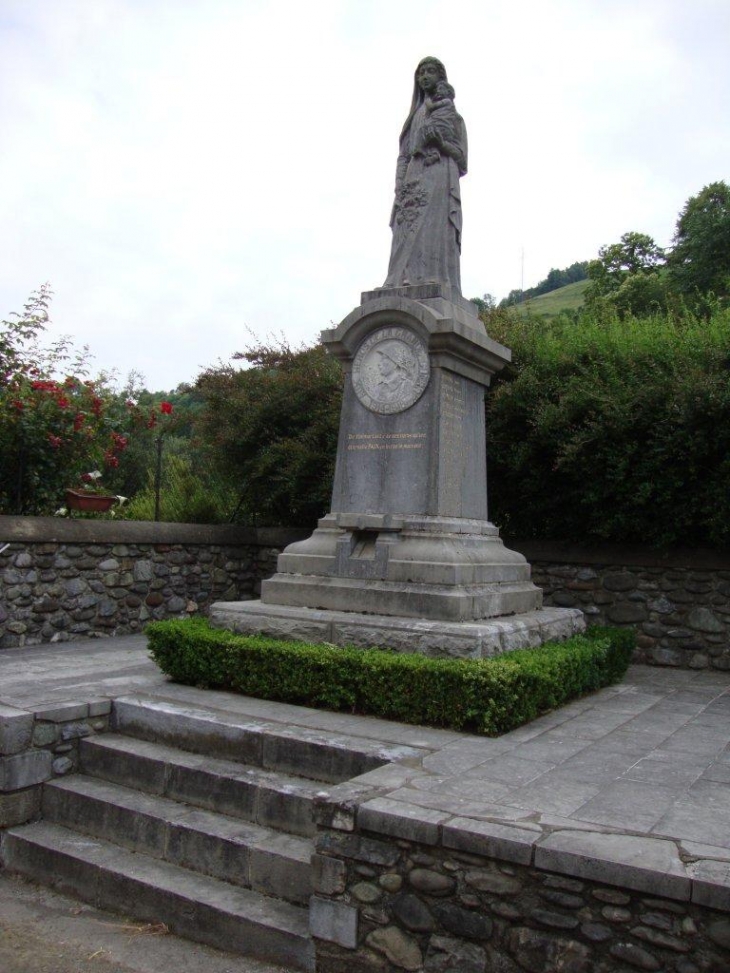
{"type": "Point", "coordinates": [641, 295]}
{"type": "Point", "coordinates": [485, 303]}
{"type": "Point", "coordinates": [618, 276]}
{"type": "Point", "coordinates": [19, 335]}
{"type": "Point", "coordinates": [272, 430]}
{"type": "Point", "coordinates": [699, 264]}
{"type": "Point", "coordinates": [636, 253]}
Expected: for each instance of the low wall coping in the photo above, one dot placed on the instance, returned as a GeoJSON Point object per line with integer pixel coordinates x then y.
{"type": "Point", "coordinates": [642, 863]}
{"type": "Point", "coordinates": [624, 555]}
{"type": "Point", "coordinates": [40, 530]}
{"type": "Point", "coordinates": [54, 530]}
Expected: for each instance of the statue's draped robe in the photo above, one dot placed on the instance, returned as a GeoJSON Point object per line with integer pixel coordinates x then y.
{"type": "Point", "coordinates": [426, 219]}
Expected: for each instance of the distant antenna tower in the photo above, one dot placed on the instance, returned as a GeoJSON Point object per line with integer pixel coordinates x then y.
{"type": "Point", "coordinates": [522, 275]}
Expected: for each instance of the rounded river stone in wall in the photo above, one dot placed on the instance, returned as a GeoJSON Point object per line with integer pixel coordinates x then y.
{"type": "Point", "coordinates": [390, 371]}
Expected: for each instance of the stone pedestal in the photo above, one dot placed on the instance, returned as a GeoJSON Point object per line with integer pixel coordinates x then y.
{"type": "Point", "coordinates": [436, 568]}
{"type": "Point", "coordinates": [407, 537]}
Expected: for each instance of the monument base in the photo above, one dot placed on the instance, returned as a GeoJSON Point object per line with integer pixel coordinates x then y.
{"type": "Point", "coordinates": [434, 568]}
{"type": "Point", "coordinates": [407, 558]}
{"type": "Point", "coordinates": [437, 639]}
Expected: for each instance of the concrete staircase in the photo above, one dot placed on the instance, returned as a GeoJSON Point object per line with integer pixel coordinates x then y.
{"type": "Point", "coordinates": [196, 819]}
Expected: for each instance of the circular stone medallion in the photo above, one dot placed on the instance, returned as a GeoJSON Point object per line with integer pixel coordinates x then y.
{"type": "Point", "coordinates": [390, 371]}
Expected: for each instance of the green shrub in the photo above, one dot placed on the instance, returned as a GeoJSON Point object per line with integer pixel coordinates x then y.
{"type": "Point", "coordinates": [272, 429]}
{"type": "Point", "coordinates": [613, 430]}
{"type": "Point", "coordinates": [604, 428]}
{"type": "Point", "coordinates": [189, 493]}
{"type": "Point", "coordinates": [489, 696]}
{"type": "Point", "coordinates": [58, 427]}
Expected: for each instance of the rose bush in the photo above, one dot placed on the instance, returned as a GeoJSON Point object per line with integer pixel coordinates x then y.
{"type": "Point", "coordinates": [56, 430]}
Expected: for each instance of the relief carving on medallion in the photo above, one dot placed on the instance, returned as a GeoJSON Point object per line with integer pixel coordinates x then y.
{"type": "Point", "coordinates": [390, 371]}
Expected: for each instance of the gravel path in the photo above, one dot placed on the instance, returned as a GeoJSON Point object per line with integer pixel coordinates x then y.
{"type": "Point", "coordinates": [44, 932]}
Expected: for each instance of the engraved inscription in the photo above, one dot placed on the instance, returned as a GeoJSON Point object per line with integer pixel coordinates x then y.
{"type": "Point", "coordinates": [453, 398]}
{"type": "Point", "coordinates": [390, 371]}
{"type": "Point", "coordinates": [453, 445]}
{"type": "Point", "coordinates": [385, 440]}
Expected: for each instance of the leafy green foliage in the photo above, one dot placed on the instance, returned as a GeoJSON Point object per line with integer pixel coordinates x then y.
{"type": "Point", "coordinates": [628, 277]}
{"type": "Point", "coordinates": [609, 429]}
{"type": "Point", "coordinates": [169, 417]}
{"type": "Point", "coordinates": [637, 253]}
{"type": "Point", "coordinates": [700, 261]}
{"type": "Point", "coordinates": [272, 429]}
{"type": "Point", "coordinates": [484, 304]}
{"type": "Point", "coordinates": [189, 493]}
{"type": "Point", "coordinates": [57, 426]}
{"type": "Point", "coordinates": [640, 295]}
{"type": "Point", "coordinates": [489, 696]}
{"type": "Point", "coordinates": [625, 277]}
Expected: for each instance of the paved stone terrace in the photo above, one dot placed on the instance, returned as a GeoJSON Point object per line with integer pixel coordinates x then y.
{"type": "Point", "coordinates": [649, 758]}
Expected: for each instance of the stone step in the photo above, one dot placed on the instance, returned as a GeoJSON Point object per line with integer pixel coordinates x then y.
{"type": "Point", "coordinates": [260, 743]}
{"type": "Point", "coordinates": [213, 844]}
{"type": "Point", "coordinates": [264, 797]}
{"type": "Point", "coordinates": [196, 906]}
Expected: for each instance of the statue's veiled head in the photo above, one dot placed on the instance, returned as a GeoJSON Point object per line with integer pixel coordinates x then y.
{"type": "Point", "coordinates": [429, 72]}
{"type": "Point", "coordinates": [427, 75]}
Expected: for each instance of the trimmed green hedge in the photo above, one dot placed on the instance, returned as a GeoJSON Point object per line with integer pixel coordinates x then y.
{"type": "Point", "coordinates": [612, 430]}
{"type": "Point", "coordinates": [487, 696]}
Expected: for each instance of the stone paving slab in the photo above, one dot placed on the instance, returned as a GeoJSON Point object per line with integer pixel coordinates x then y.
{"type": "Point", "coordinates": [636, 776]}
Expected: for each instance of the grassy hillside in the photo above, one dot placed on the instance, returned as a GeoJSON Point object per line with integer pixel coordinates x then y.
{"type": "Point", "coordinates": [568, 298]}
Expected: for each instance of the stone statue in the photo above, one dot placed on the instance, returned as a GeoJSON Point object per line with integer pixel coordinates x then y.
{"type": "Point", "coordinates": [406, 556]}
{"type": "Point", "coordinates": [426, 218]}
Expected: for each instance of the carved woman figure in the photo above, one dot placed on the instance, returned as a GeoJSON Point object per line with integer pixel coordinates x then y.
{"type": "Point", "coordinates": [426, 218]}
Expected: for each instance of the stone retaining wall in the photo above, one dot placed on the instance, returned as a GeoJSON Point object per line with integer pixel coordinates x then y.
{"type": "Point", "coordinates": [62, 579]}
{"type": "Point", "coordinates": [35, 747]}
{"type": "Point", "coordinates": [385, 905]}
{"type": "Point", "coordinates": [679, 604]}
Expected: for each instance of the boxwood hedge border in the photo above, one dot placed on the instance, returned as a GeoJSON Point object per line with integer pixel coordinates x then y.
{"type": "Point", "coordinates": [487, 696]}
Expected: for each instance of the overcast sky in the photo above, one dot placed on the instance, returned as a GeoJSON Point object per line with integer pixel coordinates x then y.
{"type": "Point", "coordinates": [185, 172]}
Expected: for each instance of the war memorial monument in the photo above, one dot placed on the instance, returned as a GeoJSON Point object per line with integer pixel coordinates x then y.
{"type": "Point", "coordinates": [407, 557]}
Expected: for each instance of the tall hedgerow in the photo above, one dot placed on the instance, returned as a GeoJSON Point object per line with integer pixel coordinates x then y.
{"type": "Point", "coordinates": [613, 429]}
{"type": "Point", "coordinates": [602, 429]}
